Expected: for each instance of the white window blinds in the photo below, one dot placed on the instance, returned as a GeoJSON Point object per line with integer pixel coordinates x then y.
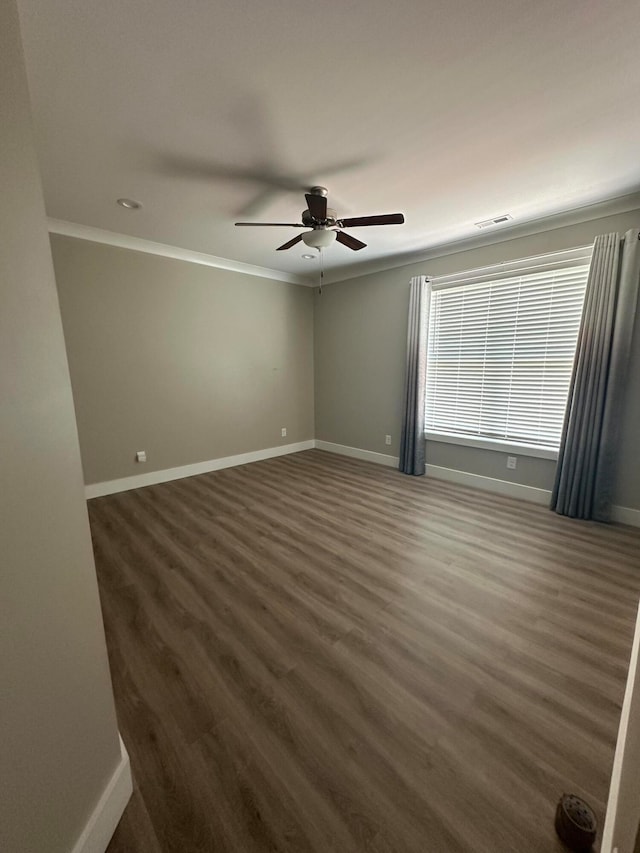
{"type": "Point", "coordinates": [500, 349]}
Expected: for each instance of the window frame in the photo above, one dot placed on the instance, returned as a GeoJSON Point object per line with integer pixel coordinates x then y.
{"type": "Point", "coordinates": [579, 256]}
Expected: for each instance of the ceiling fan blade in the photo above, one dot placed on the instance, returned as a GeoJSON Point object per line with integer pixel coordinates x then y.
{"type": "Point", "coordinates": [273, 224]}
{"type": "Point", "coordinates": [348, 240]}
{"type": "Point", "coordinates": [361, 221]}
{"type": "Point", "coordinates": [290, 243]}
{"type": "Point", "coordinates": [317, 205]}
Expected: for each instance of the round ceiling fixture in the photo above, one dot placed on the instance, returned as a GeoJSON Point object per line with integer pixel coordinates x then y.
{"type": "Point", "coordinates": [309, 257]}
{"type": "Point", "coordinates": [319, 238]}
{"type": "Point", "coordinates": [129, 203]}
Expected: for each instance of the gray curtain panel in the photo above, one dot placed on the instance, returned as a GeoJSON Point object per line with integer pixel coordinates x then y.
{"type": "Point", "coordinates": [587, 458]}
{"type": "Point", "coordinates": [412, 444]}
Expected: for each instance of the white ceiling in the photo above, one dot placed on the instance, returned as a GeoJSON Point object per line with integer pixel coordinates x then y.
{"type": "Point", "coordinates": [450, 111]}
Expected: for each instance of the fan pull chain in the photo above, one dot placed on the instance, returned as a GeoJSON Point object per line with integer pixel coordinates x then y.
{"type": "Point", "coordinates": [321, 272]}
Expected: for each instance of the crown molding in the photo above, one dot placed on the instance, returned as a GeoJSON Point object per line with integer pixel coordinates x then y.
{"type": "Point", "coordinates": [599, 210]}
{"type": "Point", "coordinates": [138, 244]}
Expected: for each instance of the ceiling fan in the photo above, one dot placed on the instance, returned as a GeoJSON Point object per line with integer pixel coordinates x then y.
{"type": "Point", "coordinates": [326, 226]}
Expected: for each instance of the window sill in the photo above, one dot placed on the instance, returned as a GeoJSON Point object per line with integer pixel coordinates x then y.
{"type": "Point", "coordinates": [494, 444]}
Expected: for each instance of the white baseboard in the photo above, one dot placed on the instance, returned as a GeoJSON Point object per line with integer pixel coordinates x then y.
{"type": "Point", "coordinates": [619, 514]}
{"type": "Point", "coordinates": [490, 484]}
{"type": "Point", "coordinates": [110, 487]}
{"type": "Point", "coordinates": [626, 515]}
{"type": "Point", "coordinates": [96, 835]}
{"type": "Point", "coordinates": [358, 453]}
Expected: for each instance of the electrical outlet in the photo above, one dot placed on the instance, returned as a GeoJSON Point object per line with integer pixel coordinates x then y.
{"type": "Point", "coordinates": [141, 456]}
{"type": "Point", "coordinates": [512, 462]}
{"type": "Point", "coordinates": [283, 432]}
{"type": "Point", "coordinates": [387, 439]}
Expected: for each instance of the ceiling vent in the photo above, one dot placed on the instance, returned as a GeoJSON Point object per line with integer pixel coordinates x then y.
{"type": "Point", "coordinates": [498, 220]}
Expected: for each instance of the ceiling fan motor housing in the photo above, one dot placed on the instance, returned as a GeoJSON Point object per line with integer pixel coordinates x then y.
{"type": "Point", "coordinates": [311, 222]}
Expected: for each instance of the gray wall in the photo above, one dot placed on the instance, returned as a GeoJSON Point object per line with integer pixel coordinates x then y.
{"type": "Point", "coordinates": [58, 736]}
{"type": "Point", "coordinates": [187, 362]}
{"type": "Point", "coordinates": [360, 345]}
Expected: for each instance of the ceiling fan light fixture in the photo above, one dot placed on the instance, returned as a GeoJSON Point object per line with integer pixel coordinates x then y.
{"type": "Point", "coordinates": [319, 238]}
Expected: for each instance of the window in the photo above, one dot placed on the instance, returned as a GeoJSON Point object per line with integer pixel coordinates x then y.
{"type": "Point", "coordinates": [500, 350]}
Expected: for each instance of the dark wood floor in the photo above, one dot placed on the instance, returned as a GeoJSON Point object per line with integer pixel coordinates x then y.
{"type": "Point", "coordinates": [317, 654]}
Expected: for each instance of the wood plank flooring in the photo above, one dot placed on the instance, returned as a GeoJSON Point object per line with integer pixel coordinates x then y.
{"type": "Point", "coordinates": [312, 653]}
